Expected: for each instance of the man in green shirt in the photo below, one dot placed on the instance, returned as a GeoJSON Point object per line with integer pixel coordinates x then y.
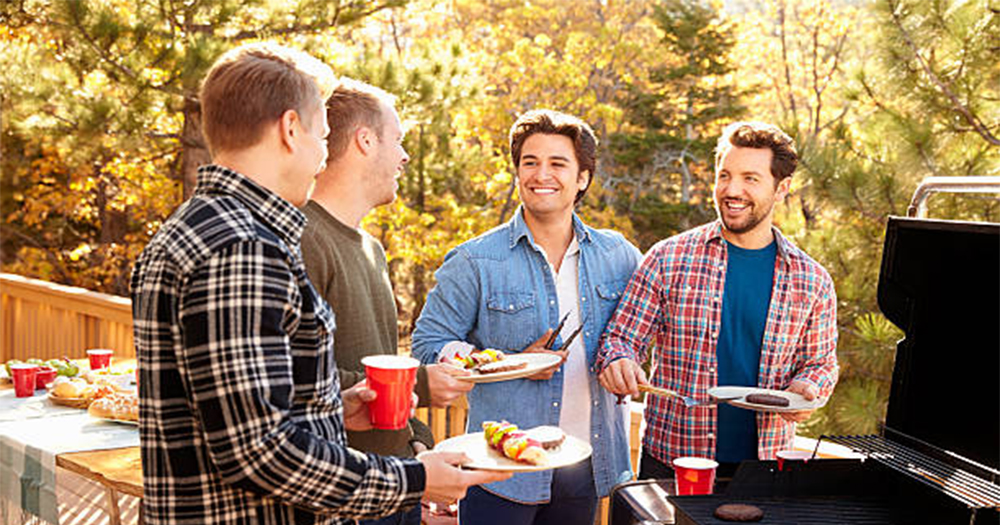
{"type": "Point", "coordinates": [348, 266]}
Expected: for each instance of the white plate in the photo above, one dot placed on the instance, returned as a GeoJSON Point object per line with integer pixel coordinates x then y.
{"type": "Point", "coordinates": [111, 420]}
{"type": "Point", "coordinates": [536, 363]}
{"type": "Point", "coordinates": [483, 457]}
{"type": "Point", "coordinates": [795, 401]}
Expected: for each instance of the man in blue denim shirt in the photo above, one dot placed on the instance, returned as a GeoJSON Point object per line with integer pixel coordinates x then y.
{"type": "Point", "coordinates": [506, 289]}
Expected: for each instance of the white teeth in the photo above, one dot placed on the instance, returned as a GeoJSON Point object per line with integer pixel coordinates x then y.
{"type": "Point", "coordinates": [544, 191]}
{"type": "Point", "coordinates": [736, 206]}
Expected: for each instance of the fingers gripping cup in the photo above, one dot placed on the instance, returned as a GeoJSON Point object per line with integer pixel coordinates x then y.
{"type": "Point", "coordinates": [694, 476]}
{"type": "Point", "coordinates": [392, 377]}
{"type": "Point", "coordinates": [99, 358]}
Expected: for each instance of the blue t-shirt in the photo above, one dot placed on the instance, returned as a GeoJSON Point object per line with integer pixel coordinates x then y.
{"type": "Point", "coordinates": [745, 301]}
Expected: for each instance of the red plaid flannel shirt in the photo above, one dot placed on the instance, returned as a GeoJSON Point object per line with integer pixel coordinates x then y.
{"type": "Point", "coordinates": [676, 296]}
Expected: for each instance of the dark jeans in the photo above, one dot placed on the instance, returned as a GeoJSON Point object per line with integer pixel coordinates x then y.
{"type": "Point", "coordinates": [409, 517]}
{"type": "Point", "coordinates": [574, 501]}
{"type": "Point", "coordinates": [652, 468]}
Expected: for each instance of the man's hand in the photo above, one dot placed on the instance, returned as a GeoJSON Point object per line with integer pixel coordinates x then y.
{"type": "Point", "coordinates": [623, 377]}
{"type": "Point", "coordinates": [538, 347]}
{"type": "Point", "coordinates": [447, 482]}
{"type": "Point", "coordinates": [356, 399]}
{"type": "Point", "coordinates": [806, 390]}
{"type": "Point", "coordinates": [445, 389]}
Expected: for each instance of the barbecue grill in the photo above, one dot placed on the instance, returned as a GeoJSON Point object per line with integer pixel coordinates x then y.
{"type": "Point", "coordinates": [936, 459]}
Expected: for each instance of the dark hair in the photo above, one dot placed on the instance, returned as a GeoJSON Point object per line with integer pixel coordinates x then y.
{"type": "Point", "coordinates": [353, 104]}
{"type": "Point", "coordinates": [252, 86]}
{"type": "Point", "coordinates": [760, 135]}
{"type": "Point", "coordinates": [550, 122]}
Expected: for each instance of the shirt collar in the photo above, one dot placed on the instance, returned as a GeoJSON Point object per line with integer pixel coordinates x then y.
{"type": "Point", "coordinates": [519, 229]}
{"type": "Point", "coordinates": [275, 212]}
{"type": "Point", "coordinates": [713, 233]}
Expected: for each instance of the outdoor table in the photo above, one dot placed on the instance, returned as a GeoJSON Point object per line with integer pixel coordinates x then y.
{"type": "Point", "coordinates": [36, 437]}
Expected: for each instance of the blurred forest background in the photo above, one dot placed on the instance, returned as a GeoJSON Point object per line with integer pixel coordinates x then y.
{"type": "Point", "coordinates": [100, 135]}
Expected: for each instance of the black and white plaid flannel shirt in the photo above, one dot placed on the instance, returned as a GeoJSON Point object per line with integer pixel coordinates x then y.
{"type": "Point", "coordinates": [241, 416]}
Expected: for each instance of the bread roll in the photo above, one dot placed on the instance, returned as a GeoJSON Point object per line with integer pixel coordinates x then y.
{"type": "Point", "coordinates": [119, 406]}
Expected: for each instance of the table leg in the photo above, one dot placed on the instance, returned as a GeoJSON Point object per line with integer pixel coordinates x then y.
{"type": "Point", "coordinates": [113, 513]}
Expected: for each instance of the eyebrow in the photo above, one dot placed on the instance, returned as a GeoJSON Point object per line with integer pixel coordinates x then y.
{"type": "Point", "coordinates": [536, 157]}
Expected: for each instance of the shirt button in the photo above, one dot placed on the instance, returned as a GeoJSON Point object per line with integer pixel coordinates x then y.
{"type": "Point", "coordinates": [583, 299]}
{"type": "Point", "coordinates": [555, 404]}
{"type": "Point", "coordinates": [710, 435]}
{"type": "Point", "coordinates": [596, 436]}
{"type": "Point", "coordinates": [552, 301]}
{"type": "Point", "coordinates": [511, 307]}
{"type": "Point", "coordinates": [595, 402]}
{"type": "Point", "coordinates": [586, 334]}
{"type": "Point", "coordinates": [711, 369]}
{"type": "Point", "coordinates": [714, 335]}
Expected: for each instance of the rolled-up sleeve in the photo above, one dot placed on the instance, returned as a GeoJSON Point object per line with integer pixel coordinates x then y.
{"type": "Point", "coordinates": [236, 313]}
{"type": "Point", "coordinates": [816, 354]}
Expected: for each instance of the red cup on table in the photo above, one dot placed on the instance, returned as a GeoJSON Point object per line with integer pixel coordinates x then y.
{"type": "Point", "coordinates": [694, 476]}
{"type": "Point", "coordinates": [392, 377]}
{"type": "Point", "coordinates": [99, 358]}
{"type": "Point", "coordinates": [23, 376]}
{"type": "Point", "coordinates": [43, 376]}
{"type": "Point", "coordinates": [789, 459]}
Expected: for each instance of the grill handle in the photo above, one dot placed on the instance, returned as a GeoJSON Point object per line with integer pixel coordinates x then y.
{"type": "Point", "coordinates": [918, 204]}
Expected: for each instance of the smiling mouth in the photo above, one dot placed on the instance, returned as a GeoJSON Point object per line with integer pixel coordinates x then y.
{"type": "Point", "coordinates": [736, 206]}
{"type": "Point", "coordinates": [544, 191]}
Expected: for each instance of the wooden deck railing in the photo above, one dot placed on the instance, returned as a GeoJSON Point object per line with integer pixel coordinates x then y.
{"type": "Point", "coordinates": [47, 320]}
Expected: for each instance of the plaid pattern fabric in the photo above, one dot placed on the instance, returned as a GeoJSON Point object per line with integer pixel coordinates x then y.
{"type": "Point", "coordinates": [241, 419]}
{"type": "Point", "coordinates": [676, 296]}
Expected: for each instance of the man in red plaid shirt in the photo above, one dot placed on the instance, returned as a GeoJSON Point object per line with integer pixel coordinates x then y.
{"type": "Point", "coordinates": [731, 302]}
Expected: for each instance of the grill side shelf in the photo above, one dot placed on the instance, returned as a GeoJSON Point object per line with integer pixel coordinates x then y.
{"type": "Point", "coordinates": [965, 487]}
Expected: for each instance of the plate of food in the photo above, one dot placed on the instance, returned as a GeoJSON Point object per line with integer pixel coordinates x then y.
{"type": "Point", "coordinates": [502, 446]}
{"type": "Point", "coordinates": [489, 365]}
{"type": "Point", "coordinates": [765, 399]}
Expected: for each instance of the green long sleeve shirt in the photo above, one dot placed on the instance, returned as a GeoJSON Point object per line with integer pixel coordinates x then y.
{"type": "Point", "coordinates": [348, 268]}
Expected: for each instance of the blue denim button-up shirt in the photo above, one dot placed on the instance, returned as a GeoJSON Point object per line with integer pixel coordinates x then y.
{"type": "Point", "coordinates": [498, 291]}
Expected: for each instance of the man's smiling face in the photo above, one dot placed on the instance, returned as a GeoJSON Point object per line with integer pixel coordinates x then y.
{"type": "Point", "coordinates": [548, 175]}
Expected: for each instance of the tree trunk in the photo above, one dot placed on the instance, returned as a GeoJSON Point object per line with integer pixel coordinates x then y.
{"type": "Point", "coordinates": [194, 150]}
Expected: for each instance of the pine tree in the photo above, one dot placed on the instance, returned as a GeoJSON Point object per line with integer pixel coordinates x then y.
{"type": "Point", "coordinates": [675, 119]}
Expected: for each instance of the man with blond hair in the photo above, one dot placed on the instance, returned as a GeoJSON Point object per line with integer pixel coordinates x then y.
{"type": "Point", "coordinates": [242, 419]}
{"type": "Point", "coordinates": [348, 266]}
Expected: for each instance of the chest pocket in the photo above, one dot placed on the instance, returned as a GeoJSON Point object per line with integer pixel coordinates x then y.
{"type": "Point", "coordinates": [510, 320]}
{"type": "Point", "coordinates": [609, 294]}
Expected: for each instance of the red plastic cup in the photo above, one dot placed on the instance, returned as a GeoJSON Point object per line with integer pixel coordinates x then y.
{"type": "Point", "coordinates": [392, 377]}
{"type": "Point", "coordinates": [44, 376]}
{"type": "Point", "coordinates": [99, 358]}
{"type": "Point", "coordinates": [793, 458]}
{"type": "Point", "coordinates": [694, 476]}
{"type": "Point", "coordinates": [23, 376]}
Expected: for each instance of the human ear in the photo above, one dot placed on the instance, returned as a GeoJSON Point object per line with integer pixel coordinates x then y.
{"type": "Point", "coordinates": [783, 189]}
{"type": "Point", "coordinates": [289, 127]}
{"type": "Point", "coordinates": [583, 178]}
{"type": "Point", "coordinates": [365, 139]}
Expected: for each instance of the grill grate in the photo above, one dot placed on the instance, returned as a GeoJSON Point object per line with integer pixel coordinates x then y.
{"type": "Point", "coordinates": [969, 489]}
{"type": "Point", "coordinates": [801, 511]}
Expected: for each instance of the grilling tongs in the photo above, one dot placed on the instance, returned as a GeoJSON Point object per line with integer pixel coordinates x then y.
{"type": "Point", "coordinates": [688, 400]}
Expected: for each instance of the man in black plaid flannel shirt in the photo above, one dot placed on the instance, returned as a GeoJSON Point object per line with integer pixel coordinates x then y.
{"type": "Point", "coordinates": [241, 414]}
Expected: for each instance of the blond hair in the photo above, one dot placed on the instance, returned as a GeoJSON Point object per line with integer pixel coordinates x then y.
{"type": "Point", "coordinates": [354, 104]}
{"type": "Point", "coordinates": [253, 85]}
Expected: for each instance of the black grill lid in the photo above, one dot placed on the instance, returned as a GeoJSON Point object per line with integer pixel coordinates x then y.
{"type": "Point", "coordinates": [940, 284]}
